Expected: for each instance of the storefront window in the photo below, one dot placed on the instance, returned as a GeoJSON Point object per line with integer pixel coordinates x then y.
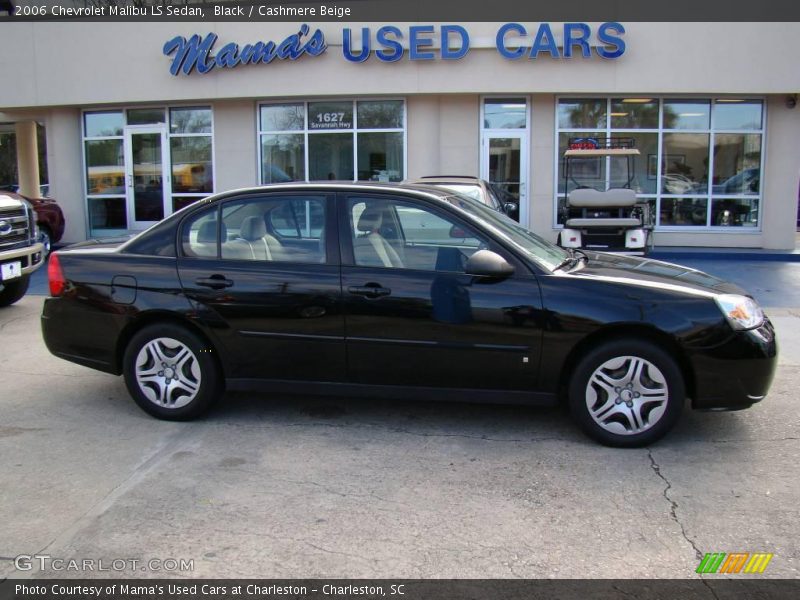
{"type": "Point", "coordinates": [333, 138]}
{"type": "Point", "coordinates": [505, 113]}
{"type": "Point", "coordinates": [105, 167]}
{"type": "Point", "coordinates": [330, 156]}
{"type": "Point", "coordinates": [282, 117]}
{"type": "Point", "coordinates": [103, 124]}
{"type": "Point", "coordinates": [283, 158]}
{"type": "Point", "coordinates": [330, 115]}
{"type": "Point", "coordinates": [582, 113]}
{"type": "Point", "coordinates": [380, 156]}
{"type": "Point", "coordinates": [684, 163]}
{"type": "Point", "coordinates": [189, 120]}
{"type": "Point", "coordinates": [700, 168]}
{"type": "Point", "coordinates": [684, 211]}
{"type": "Point", "coordinates": [686, 114]}
{"type": "Point", "coordinates": [634, 113]}
{"type": "Point", "coordinates": [380, 114]}
{"type": "Point", "coordinates": [737, 162]}
{"type": "Point", "coordinates": [734, 212]}
{"type": "Point", "coordinates": [107, 213]}
{"type": "Point", "coordinates": [192, 171]}
{"type": "Point", "coordinates": [145, 116]}
{"type": "Point", "coordinates": [737, 114]}
{"type": "Point", "coordinates": [585, 171]}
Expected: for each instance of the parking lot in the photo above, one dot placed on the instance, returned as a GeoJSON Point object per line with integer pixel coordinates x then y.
{"type": "Point", "coordinates": [325, 487]}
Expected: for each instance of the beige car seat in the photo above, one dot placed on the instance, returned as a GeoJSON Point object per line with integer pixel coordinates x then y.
{"type": "Point", "coordinates": [371, 248]}
{"type": "Point", "coordinates": [253, 243]}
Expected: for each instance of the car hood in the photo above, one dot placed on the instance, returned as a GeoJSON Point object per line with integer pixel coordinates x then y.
{"type": "Point", "coordinates": [646, 272]}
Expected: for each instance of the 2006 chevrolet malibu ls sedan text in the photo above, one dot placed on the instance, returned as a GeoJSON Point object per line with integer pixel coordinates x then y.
{"type": "Point", "coordinates": [401, 291]}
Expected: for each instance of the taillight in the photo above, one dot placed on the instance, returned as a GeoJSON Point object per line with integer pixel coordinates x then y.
{"type": "Point", "coordinates": [55, 276]}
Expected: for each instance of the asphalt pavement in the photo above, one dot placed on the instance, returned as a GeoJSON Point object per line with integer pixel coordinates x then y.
{"type": "Point", "coordinates": [299, 486]}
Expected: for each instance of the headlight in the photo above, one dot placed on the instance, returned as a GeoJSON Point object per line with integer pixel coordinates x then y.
{"type": "Point", "coordinates": [742, 312]}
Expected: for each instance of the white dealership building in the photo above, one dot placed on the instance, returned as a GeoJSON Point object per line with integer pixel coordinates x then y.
{"type": "Point", "coordinates": [711, 107]}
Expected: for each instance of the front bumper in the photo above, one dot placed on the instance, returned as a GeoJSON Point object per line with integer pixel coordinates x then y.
{"type": "Point", "coordinates": [31, 257]}
{"type": "Point", "coordinates": [738, 373]}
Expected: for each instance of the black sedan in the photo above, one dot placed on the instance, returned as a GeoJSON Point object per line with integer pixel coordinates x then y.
{"type": "Point", "coordinates": [401, 291]}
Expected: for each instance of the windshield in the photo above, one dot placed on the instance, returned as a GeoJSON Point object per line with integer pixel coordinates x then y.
{"type": "Point", "coordinates": [541, 251]}
{"type": "Point", "coordinates": [466, 189]}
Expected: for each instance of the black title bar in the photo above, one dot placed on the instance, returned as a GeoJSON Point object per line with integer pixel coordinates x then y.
{"type": "Point", "coordinates": [402, 10]}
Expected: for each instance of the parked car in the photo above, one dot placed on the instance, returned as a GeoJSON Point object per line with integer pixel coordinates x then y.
{"type": "Point", "coordinates": [401, 291]}
{"type": "Point", "coordinates": [50, 220]}
{"type": "Point", "coordinates": [21, 253]}
{"type": "Point", "coordinates": [479, 189]}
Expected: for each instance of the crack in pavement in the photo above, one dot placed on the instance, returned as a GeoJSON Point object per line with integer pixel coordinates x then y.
{"type": "Point", "coordinates": [673, 505]}
{"type": "Point", "coordinates": [673, 511]}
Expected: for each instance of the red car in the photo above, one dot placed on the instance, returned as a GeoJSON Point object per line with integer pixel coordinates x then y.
{"type": "Point", "coordinates": [50, 220]}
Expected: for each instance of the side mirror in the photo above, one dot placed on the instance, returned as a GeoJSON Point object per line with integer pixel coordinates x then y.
{"type": "Point", "coordinates": [485, 263]}
{"type": "Point", "coordinates": [510, 208]}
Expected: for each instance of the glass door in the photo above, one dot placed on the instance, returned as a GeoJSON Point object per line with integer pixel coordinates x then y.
{"type": "Point", "coordinates": [146, 175]}
{"type": "Point", "coordinates": [504, 166]}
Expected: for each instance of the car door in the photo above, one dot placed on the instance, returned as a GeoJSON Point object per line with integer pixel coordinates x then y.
{"type": "Point", "coordinates": [412, 315]}
{"type": "Point", "coordinates": [263, 274]}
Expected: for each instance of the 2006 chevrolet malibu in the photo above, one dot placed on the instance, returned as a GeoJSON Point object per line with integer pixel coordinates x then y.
{"type": "Point", "coordinates": [402, 291]}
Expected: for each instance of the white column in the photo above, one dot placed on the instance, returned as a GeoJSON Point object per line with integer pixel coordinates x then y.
{"type": "Point", "coordinates": [27, 158]}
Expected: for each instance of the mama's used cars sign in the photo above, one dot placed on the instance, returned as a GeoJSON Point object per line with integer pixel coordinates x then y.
{"type": "Point", "coordinates": [391, 44]}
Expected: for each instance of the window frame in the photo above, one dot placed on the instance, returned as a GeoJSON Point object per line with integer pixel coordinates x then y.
{"type": "Point", "coordinates": [660, 131]}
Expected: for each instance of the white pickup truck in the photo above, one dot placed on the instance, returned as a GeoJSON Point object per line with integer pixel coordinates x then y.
{"type": "Point", "coordinates": [20, 251]}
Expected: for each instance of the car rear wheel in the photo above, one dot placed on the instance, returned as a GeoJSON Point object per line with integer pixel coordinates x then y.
{"type": "Point", "coordinates": [171, 373]}
{"type": "Point", "coordinates": [11, 291]}
{"type": "Point", "coordinates": [627, 393]}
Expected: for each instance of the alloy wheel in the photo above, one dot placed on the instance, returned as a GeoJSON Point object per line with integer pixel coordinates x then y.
{"type": "Point", "coordinates": [168, 373]}
{"type": "Point", "coordinates": [627, 395]}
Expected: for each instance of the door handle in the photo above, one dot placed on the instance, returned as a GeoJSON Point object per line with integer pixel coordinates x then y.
{"type": "Point", "coordinates": [215, 282]}
{"type": "Point", "coordinates": [371, 290]}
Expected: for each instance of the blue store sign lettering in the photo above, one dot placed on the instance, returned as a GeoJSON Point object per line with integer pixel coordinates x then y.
{"type": "Point", "coordinates": [513, 41]}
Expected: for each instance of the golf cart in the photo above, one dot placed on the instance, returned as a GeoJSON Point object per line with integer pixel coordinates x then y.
{"type": "Point", "coordinates": [597, 216]}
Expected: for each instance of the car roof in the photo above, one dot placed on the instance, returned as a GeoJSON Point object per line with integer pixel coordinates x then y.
{"type": "Point", "coordinates": [419, 189]}
{"type": "Point", "coordinates": [436, 179]}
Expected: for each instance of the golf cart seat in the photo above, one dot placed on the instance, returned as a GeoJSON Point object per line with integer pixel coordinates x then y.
{"type": "Point", "coordinates": [592, 198]}
{"type": "Point", "coordinates": [604, 222]}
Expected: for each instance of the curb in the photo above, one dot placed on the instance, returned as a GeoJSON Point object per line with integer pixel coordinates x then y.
{"type": "Point", "coordinates": [732, 256]}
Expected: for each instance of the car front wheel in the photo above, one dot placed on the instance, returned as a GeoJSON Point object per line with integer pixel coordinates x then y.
{"type": "Point", "coordinates": [626, 393]}
{"type": "Point", "coordinates": [171, 373]}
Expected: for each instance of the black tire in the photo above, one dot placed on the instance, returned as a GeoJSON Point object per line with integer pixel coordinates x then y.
{"type": "Point", "coordinates": [11, 291]}
{"type": "Point", "coordinates": [200, 372]}
{"type": "Point", "coordinates": [622, 415]}
{"type": "Point", "coordinates": [46, 238]}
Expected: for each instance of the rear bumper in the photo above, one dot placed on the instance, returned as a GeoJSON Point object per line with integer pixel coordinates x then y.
{"type": "Point", "coordinates": [29, 256]}
{"type": "Point", "coordinates": [738, 373]}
